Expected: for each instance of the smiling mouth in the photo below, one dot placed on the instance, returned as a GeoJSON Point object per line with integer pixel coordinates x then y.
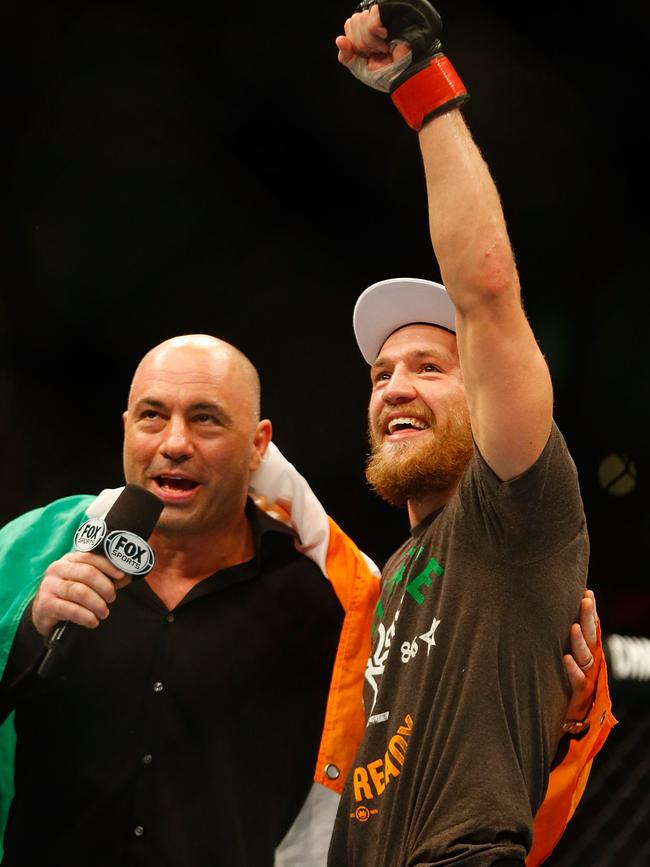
{"type": "Point", "coordinates": [172, 483]}
{"type": "Point", "coordinates": [395, 425]}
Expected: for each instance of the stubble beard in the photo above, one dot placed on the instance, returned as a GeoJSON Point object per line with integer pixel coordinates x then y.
{"type": "Point", "coordinates": [414, 469]}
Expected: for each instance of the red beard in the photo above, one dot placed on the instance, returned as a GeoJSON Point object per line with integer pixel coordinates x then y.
{"type": "Point", "coordinates": [416, 468]}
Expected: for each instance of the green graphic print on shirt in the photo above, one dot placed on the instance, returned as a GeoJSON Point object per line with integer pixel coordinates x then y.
{"type": "Point", "coordinates": [415, 587]}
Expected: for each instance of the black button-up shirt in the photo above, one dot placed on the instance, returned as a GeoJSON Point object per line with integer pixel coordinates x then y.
{"type": "Point", "coordinates": [185, 738]}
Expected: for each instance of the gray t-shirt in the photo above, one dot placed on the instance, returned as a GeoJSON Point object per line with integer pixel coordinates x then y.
{"type": "Point", "coordinates": [465, 686]}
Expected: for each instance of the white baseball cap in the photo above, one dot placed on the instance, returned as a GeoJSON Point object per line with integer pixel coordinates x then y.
{"type": "Point", "coordinates": [389, 305]}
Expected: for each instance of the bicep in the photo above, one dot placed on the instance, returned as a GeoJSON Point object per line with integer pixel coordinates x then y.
{"type": "Point", "coordinates": [508, 387]}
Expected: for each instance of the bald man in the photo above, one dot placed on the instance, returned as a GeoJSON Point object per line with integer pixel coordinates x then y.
{"type": "Point", "coordinates": [182, 729]}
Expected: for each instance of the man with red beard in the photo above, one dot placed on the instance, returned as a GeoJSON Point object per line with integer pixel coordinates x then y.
{"type": "Point", "coordinates": [465, 688]}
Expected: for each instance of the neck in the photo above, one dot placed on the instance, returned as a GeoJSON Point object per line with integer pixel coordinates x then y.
{"type": "Point", "coordinates": [198, 555]}
{"type": "Point", "coordinates": [182, 560]}
{"type": "Point", "coordinates": [419, 507]}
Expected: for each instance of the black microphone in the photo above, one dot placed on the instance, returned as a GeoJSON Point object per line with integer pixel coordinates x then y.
{"type": "Point", "coordinates": [122, 538]}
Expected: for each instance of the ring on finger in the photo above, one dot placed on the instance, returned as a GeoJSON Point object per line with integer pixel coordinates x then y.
{"type": "Point", "coordinates": [588, 664]}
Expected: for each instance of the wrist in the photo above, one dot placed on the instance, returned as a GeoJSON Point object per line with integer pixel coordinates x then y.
{"type": "Point", "coordinates": [428, 89]}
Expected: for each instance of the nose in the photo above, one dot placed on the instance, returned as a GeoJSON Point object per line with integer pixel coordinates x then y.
{"type": "Point", "coordinates": [400, 387]}
{"type": "Point", "coordinates": [177, 445]}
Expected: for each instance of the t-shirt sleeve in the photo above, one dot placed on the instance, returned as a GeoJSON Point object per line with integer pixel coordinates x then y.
{"type": "Point", "coordinates": [534, 515]}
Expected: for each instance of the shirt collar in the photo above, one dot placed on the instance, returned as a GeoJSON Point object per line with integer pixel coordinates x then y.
{"type": "Point", "coordinates": [262, 523]}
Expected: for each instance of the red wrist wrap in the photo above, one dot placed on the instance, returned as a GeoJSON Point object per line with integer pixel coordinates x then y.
{"type": "Point", "coordinates": [434, 90]}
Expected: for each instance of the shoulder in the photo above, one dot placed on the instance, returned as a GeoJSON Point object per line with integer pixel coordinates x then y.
{"type": "Point", "coordinates": [535, 514]}
{"type": "Point", "coordinates": [554, 463]}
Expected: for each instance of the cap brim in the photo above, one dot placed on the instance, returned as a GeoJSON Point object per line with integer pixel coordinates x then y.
{"type": "Point", "coordinates": [391, 304]}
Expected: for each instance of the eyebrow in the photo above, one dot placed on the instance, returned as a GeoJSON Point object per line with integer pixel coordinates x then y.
{"type": "Point", "coordinates": [199, 406]}
{"type": "Point", "coordinates": [417, 355]}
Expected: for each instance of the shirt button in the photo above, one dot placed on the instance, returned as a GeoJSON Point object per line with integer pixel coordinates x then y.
{"type": "Point", "coordinates": [157, 687]}
{"type": "Point", "coordinates": [169, 618]}
{"type": "Point", "coordinates": [332, 772]}
{"type": "Point", "coordinates": [148, 759]}
{"type": "Point", "coordinates": [138, 830]}
{"type": "Point", "coordinates": [603, 717]}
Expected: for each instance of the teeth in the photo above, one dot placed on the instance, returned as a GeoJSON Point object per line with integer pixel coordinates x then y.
{"type": "Point", "coordinates": [176, 483]}
{"type": "Point", "coordinates": [405, 422]}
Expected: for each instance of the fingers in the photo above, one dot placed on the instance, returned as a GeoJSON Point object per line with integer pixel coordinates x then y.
{"type": "Point", "coordinates": [588, 618]}
{"type": "Point", "coordinates": [284, 504]}
{"type": "Point", "coordinates": [101, 564]}
{"type": "Point", "coordinates": [279, 509]}
{"type": "Point", "coordinates": [366, 32]}
{"type": "Point", "coordinates": [78, 588]}
{"type": "Point", "coordinates": [400, 49]}
{"type": "Point", "coordinates": [577, 679]}
{"type": "Point", "coordinates": [365, 35]}
{"type": "Point", "coordinates": [346, 52]}
{"type": "Point", "coordinates": [579, 664]}
{"type": "Point", "coordinates": [580, 648]}
{"type": "Point", "coordinates": [581, 690]}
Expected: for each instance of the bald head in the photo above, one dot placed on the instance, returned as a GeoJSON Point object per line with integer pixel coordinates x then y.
{"type": "Point", "coordinates": [202, 351]}
{"type": "Point", "coordinates": [192, 432]}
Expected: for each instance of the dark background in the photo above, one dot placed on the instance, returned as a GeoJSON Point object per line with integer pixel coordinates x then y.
{"type": "Point", "coordinates": [176, 168]}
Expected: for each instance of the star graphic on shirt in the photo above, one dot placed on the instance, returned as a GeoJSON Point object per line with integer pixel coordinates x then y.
{"type": "Point", "coordinates": [430, 636]}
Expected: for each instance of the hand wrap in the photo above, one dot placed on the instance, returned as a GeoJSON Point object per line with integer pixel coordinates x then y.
{"type": "Point", "coordinates": [423, 84]}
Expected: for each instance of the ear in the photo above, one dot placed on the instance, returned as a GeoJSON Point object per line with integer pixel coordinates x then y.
{"type": "Point", "coordinates": [125, 415]}
{"type": "Point", "coordinates": [260, 443]}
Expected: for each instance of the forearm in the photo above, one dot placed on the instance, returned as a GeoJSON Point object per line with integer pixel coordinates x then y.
{"type": "Point", "coordinates": [466, 221]}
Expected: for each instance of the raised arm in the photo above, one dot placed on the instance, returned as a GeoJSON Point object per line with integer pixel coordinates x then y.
{"type": "Point", "coordinates": [506, 378]}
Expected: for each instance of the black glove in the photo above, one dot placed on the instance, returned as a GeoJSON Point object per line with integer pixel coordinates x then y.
{"type": "Point", "coordinates": [415, 22]}
{"type": "Point", "coordinates": [429, 85]}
